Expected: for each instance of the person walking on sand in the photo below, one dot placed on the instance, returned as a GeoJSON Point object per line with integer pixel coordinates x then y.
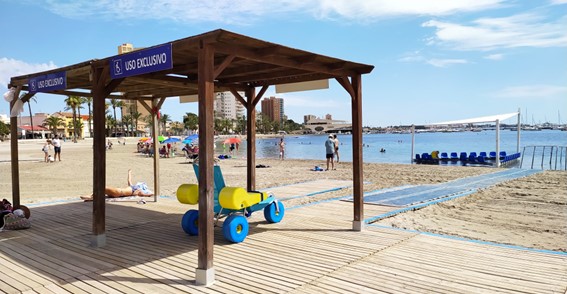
{"type": "Point", "coordinates": [56, 142]}
{"type": "Point", "coordinates": [45, 150]}
{"type": "Point", "coordinates": [330, 148]}
{"type": "Point", "coordinates": [282, 149]}
{"type": "Point", "coordinates": [336, 146]}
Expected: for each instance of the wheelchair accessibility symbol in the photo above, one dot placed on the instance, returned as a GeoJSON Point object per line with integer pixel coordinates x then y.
{"type": "Point", "coordinates": [118, 67]}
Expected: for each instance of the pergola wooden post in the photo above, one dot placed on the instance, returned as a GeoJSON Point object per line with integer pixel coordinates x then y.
{"type": "Point", "coordinates": [100, 90]}
{"type": "Point", "coordinates": [205, 273]}
{"type": "Point", "coordinates": [354, 88]}
{"type": "Point", "coordinates": [14, 151]}
{"type": "Point", "coordinates": [250, 105]}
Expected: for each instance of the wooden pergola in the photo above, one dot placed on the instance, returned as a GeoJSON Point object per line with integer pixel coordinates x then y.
{"type": "Point", "coordinates": [200, 65]}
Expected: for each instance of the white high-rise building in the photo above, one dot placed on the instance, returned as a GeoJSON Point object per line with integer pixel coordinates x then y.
{"type": "Point", "coordinates": [226, 106]}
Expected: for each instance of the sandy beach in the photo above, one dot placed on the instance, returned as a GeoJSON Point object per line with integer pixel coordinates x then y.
{"type": "Point", "coordinates": [529, 212]}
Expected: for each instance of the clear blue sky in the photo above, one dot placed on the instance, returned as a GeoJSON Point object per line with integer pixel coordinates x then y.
{"type": "Point", "coordinates": [436, 60]}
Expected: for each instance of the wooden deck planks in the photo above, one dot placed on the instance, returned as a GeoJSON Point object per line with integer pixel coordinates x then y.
{"type": "Point", "coordinates": [312, 251]}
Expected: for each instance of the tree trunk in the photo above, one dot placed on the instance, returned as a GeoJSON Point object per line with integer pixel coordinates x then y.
{"type": "Point", "coordinates": [74, 125]}
{"type": "Point", "coordinates": [115, 122]}
{"type": "Point", "coordinates": [31, 118]}
{"type": "Point", "coordinates": [90, 118]}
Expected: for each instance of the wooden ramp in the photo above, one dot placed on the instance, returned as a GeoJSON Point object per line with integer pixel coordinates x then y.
{"type": "Point", "coordinates": [313, 250]}
{"type": "Point", "coordinates": [310, 188]}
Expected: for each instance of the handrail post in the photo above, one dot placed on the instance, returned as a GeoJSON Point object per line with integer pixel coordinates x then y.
{"type": "Point", "coordinates": [533, 157]}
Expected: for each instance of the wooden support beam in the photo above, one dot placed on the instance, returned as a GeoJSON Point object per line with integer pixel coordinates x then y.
{"type": "Point", "coordinates": [99, 161]}
{"type": "Point", "coordinates": [15, 161]}
{"type": "Point", "coordinates": [146, 106]}
{"type": "Point", "coordinates": [251, 140]}
{"type": "Point", "coordinates": [346, 85]}
{"type": "Point", "coordinates": [238, 97]}
{"type": "Point", "coordinates": [357, 172]}
{"type": "Point", "coordinates": [226, 62]}
{"type": "Point", "coordinates": [246, 53]}
{"type": "Point", "coordinates": [205, 271]}
{"type": "Point", "coordinates": [160, 103]}
{"type": "Point", "coordinates": [257, 98]}
{"type": "Point", "coordinates": [156, 104]}
{"type": "Point", "coordinates": [167, 81]}
{"type": "Point", "coordinates": [100, 90]}
{"type": "Point", "coordinates": [27, 97]}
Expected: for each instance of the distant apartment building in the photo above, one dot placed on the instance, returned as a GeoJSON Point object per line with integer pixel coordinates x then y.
{"type": "Point", "coordinates": [132, 106]}
{"type": "Point", "coordinates": [326, 125]}
{"type": "Point", "coordinates": [308, 117]}
{"type": "Point", "coordinates": [273, 108]}
{"type": "Point", "coordinates": [227, 107]}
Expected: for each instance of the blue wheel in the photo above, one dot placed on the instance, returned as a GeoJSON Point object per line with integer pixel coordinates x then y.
{"type": "Point", "coordinates": [235, 228]}
{"type": "Point", "coordinates": [190, 223]}
{"type": "Point", "coordinates": [272, 214]}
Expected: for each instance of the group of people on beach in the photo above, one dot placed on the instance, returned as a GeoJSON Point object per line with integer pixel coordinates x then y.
{"type": "Point", "coordinates": [56, 143]}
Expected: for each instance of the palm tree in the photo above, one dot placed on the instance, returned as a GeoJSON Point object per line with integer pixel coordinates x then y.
{"type": "Point", "coordinates": [177, 128]}
{"type": "Point", "coordinates": [29, 107]}
{"type": "Point", "coordinates": [73, 103]}
{"type": "Point", "coordinates": [164, 119]}
{"type": "Point", "coordinates": [115, 103]}
{"type": "Point", "coordinates": [136, 117]}
{"type": "Point", "coordinates": [110, 123]}
{"type": "Point", "coordinates": [53, 123]}
{"type": "Point", "coordinates": [82, 100]}
{"type": "Point", "coordinates": [191, 121]}
{"type": "Point", "coordinates": [89, 101]}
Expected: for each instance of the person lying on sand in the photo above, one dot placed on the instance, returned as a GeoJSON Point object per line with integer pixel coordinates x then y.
{"type": "Point", "coordinates": [139, 189]}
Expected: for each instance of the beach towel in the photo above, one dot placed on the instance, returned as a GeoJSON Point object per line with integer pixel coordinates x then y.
{"type": "Point", "coordinates": [317, 168]}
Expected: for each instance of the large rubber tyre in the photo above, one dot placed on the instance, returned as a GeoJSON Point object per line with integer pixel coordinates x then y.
{"type": "Point", "coordinates": [235, 228]}
{"type": "Point", "coordinates": [190, 223]}
{"type": "Point", "coordinates": [272, 215]}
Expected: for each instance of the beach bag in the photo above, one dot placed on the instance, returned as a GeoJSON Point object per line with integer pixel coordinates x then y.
{"type": "Point", "coordinates": [14, 222]}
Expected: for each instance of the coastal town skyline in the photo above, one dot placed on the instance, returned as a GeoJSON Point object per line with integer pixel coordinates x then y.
{"type": "Point", "coordinates": [434, 62]}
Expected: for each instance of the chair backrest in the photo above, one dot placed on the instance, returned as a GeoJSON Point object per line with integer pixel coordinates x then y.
{"type": "Point", "coordinates": [218, 185]}
{"type": "Point", "coordinates": [454, 155]}
{"type": "Point", "coordinates": [492, 154]}
{"type": "Point", "coordinates": [483, 154]}
{"type": "Point", "coordinates": [473, 154]}
{"type": "Point", "coordinates": [443, 154]}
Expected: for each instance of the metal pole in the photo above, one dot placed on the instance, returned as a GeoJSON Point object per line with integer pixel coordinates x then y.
{"type": "Point", "coordinates": [522, 159]}
{"type": "Point", "coordinates": [533, 157]}
{"type": "Point", "coordinates": [519, 127]}
{"type": "Point", "coordinates": [551, 156]}
{"type": "Point", "coordinates": [556, 155]}
{"type": "Point", "coordinates": [497, 143]}
{"type": "Point", "coordinates": [412, 142]}
{"type": "Point", "coordinates": [542, 156]}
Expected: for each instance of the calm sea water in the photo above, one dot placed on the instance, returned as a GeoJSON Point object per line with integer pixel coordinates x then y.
{"type": "Point", "coordinates": [398, 146]}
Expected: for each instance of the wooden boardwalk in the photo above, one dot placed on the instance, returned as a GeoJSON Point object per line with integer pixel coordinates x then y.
{"type": "Point", "coordinates": [312, 251]}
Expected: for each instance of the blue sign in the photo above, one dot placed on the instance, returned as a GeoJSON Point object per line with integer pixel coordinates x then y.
{"type": "Point", "coordinates": [47, 83]}
{"type": "Point", "coordinates": [141, 62]}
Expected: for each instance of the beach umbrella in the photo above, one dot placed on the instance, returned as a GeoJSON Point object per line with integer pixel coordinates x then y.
{"type": "Point", "coordinates": [144, 139]}
{"type": "Point", "coordinates": [161, 138]}
{"type": "Point", "coordinates": [170, 140]}
{"type": "Point", "coordinates": [190, 139]}
{"type": "Point", "coordinates": [232, 141]}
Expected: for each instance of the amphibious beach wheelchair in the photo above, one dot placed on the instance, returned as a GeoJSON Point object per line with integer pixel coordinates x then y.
{"type": "Point", "coordinates": [234, 203]}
